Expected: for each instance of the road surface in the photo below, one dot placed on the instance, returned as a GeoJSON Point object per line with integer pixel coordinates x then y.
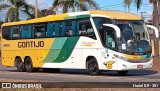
{"type": "Point", "coordinates": [68, 75]}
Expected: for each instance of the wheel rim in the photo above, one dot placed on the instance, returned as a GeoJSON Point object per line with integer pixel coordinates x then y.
{"type": "Point", "coordinates": [28, 65]}
{"type": "Point", "coordinates": [93, 67]}
{"type": "Point", "coordinates": [19, 65]}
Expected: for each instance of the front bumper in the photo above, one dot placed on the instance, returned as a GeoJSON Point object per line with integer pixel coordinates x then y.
{"type": "Point", "coordinates": [124, 65]}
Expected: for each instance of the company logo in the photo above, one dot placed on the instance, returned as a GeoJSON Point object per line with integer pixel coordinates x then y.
{"type": "Point", "coordinates": [109, 64]}
{"type": "Point", "coordinates": [21, 85]}
{"type": "Point", "coordinates": [6, 85]}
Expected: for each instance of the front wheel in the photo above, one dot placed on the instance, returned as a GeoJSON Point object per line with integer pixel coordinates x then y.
{"type": "Point", "coordinates": [122, 73]}
{"type": "Point", "coordinates": [92, 67]}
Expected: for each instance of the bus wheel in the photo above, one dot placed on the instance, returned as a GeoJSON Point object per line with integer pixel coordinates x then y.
{"type": "Point", "coordinates": [28, 64]}
{"type": "Point", "coordinates": [19, 65]}
{"type": "Point", "coordinates": [92, 66]}
{"type": "Point", "coordinates": [123, 73]}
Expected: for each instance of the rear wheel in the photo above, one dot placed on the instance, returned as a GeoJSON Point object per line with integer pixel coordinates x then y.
{"type": "Point", "coordinates": [28, 64]}
{"type": "Point", "coordinates": [92, 66]}
{"type": "Point", "coordinates": [19, 65]}
{"type": "Point", "coordinates": [123, 73]}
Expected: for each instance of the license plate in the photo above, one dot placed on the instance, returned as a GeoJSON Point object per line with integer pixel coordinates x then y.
{"type": "Point", "coordinates": [139, 66]}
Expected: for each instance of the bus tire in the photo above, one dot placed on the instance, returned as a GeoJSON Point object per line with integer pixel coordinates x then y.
{"type": "Point", "coordinates": [122, 73]}
{"type": "Point", "coordinates": [19, 64]}
{"type": "Point", "coordinates": [28, 65]}
{"type": "Point", "coordinates": [92, 67]}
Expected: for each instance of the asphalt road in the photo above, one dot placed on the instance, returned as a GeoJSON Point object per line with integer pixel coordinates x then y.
{"type": "Point", "coordinates": [68, 75]}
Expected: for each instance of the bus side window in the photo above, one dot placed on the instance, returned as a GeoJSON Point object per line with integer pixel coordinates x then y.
{"type": "Point", "coordinates": [99, 21]}
{"type": "Point", "coordinates": [86, 29]}
{"type": "Point", "coordinates": [74, 26]}
{"type": "Point", "coordinates": [39, 30]}
{"type": "Point", "coordinates": [110, 38]}
{"type": "Point", "coordinates": [26, 31]}
{"type": "Point", "coordinates": [15, 33]}
{"type": "Point", "coordinates": [51, 30]}
{"type": "Point", "coordinates": [82, 28]}
{"type": "Point", "coordinates": [58, 28]}
{"type": "Point", "coordinates": [6, 31]}
{"type": "Point", "coordinates": [68, 28]}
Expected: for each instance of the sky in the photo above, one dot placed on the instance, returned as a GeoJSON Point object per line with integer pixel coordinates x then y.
{"type": "Point", "coordinates": [119, 5]}
{"type": "Point", "coordinates": [103, 4]}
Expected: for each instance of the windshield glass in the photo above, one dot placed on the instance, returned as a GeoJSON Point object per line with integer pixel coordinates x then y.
{"type": "Point", "coordinates": [135, 38]}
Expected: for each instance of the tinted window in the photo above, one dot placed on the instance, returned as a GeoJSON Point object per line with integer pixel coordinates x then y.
{"type": "Point", "coordinates": [15, 33]}
{"type": "Point", "coordinates": [26, 31]}
{"type": "Point", "coordinates": [39, 30]}
{"type": "Point", "coordinates": [104, 32]}
{"type": "Point", "coordinates": [68, 28]}
{"type": "Point", "coordinates": [51, 29]}
{"type": "Point", "coordinates": [85, 28]}
{"type": "Point", "coordinates": [6, 33]}
{"type": "Point", "coordinates": [110, 38]}
{"type": "Point", "coordinates": [99, 21]}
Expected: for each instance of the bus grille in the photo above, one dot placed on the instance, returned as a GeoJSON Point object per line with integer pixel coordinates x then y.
{"type": "Point", "coordinates": [139, 61]}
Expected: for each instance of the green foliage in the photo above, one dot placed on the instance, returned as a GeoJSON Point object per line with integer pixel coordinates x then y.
{"type": "Point", "coordinates": [137, 3]}
{"type": "Point", "coordinates": [14, 7]}
{"type": "Point", "coordinates": [81, 5]}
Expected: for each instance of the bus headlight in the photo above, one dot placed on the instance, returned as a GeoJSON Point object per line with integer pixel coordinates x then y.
{"type": "Point", "coordinates": [120, 57]}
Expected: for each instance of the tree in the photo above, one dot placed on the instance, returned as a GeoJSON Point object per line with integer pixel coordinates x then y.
{"type": "Point", "coordinates": [46, 12]}
{"type": "Point", "coordinates": [137, 3]}
{"type": "Point", "coordinates": [81, 5]}
{"type": "Point", "coordinates": [15, 8]}
{"type": "Point", "coordinates": [156, 22]}
{"type": "Point", "coordinates": [156, 7]}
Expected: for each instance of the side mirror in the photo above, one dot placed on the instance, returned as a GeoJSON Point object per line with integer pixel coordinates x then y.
{"type": "Point", "coordinates": [155, 29]}
{"type": "Point", "coordinates": [116, 28]}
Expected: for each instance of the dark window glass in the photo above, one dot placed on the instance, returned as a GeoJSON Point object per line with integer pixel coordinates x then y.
{"type": "Point", "coordinates": [39, 30]}
{"type": "Point", "coordinates": [26, 31]}
{"type": "Point", "coordinates": [110, 38]}
{"type": "Point", "coordinates": [74, 26]}
{"type": "Point", "coordinates": [6, 33]}
{"type": "Point", "coordinates": [68, 28]}
{"type": "Point", "coordinates": [99, 21]}
{"type": "Point", "coordinates": [106, 33]}
{"type": "Point", "coordinates": [85, 28]}
{"type": "Point", "coordinates": [51, 29]}
{"type": "Point", "coordinates": [58, 28]}
{"type": "Point", "coordinates": [15, 33]}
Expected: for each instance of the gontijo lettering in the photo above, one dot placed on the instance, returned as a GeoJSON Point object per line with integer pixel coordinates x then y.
{"type": "Point", "coordinates": [30, 44]}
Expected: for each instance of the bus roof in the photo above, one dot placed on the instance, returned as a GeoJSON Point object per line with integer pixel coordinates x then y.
{"type": "Point", "coordinates": [110, 14]}
{"type": "Point", "coordinates": [117, 14]}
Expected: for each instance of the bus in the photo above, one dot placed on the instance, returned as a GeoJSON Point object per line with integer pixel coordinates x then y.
{"type": "Point", "coordinates": [96, 40]}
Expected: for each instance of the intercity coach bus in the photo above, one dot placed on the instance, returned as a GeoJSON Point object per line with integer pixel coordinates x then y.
{"type": "Point", "coordinates": [95, 40]}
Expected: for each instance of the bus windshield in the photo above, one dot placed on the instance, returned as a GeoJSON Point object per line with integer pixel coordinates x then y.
{"type": "Point", "coordinates": [135, 38]}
